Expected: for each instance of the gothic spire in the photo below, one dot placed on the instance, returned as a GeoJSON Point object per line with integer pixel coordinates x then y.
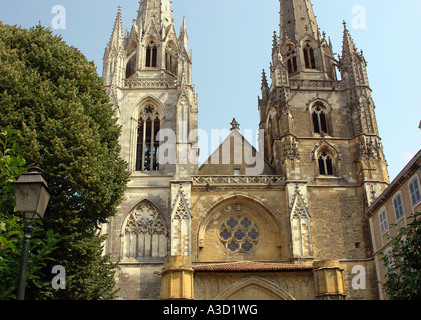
{"type": "Point", "coordinates": [184, 38]}
{"type": "Point", "coordinates": [348, 44]}
{"type": "Point", "coordinates": [298, 21]}
{"type": "Point", "coordinates": [265, 87]}
{"type": "Point", "coordinates": [116, 40]}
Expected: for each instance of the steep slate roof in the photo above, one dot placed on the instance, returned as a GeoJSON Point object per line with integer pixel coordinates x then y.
{"type": "Point", "coordinates": [250, 266]}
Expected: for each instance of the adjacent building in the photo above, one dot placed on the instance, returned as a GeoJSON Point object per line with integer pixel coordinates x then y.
{"type": "Point", "coordinates": [393, 210]}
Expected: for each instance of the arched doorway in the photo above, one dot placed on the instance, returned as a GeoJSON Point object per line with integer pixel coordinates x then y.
{"type": "Point", "coordinates": [254, 288]}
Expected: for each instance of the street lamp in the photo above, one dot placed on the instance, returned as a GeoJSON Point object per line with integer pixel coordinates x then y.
{"type": "Point", "coordinates": [32, 196]}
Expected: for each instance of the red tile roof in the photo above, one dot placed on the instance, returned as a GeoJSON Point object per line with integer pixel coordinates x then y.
{"type": "Point", "coordinates": [250, 266]}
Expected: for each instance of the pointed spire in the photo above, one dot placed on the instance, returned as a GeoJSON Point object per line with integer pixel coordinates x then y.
{"type": "Point", "coordinates": [275, 43]}
{"type": "Point", "coordinates": [265, 86]}
{"type": "Point", "coordinates": [264, 79]}
{"type": "Point", "coordinates": [348, 44]}
{"type": "Point", "coordinates": [184, 38]}
{"type": "Point", "coordinates": [116, 40]}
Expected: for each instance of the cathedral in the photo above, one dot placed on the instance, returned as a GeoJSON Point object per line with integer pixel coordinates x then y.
{"type": "Point", "coordinates": [282, 221]}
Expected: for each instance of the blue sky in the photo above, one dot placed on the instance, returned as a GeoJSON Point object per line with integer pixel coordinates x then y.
{"type": "Point", "coordinates": [231, 42]}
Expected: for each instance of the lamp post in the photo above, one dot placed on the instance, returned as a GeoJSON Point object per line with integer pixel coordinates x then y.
{"type": "Point", "coordinates": [32, 196]}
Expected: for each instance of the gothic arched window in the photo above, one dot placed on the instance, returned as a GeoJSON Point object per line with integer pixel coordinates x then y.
{"type": "Point", "coordinates": [291, 59]}
{"type": "Point", "coordinates": [325, 164]}
{"type": "Point", "coordinates": [151, 55]}
{"type": "Point", "coordinates": [147, 143]}
{"type": "Point", "coordinates": [319, 119]}
{"type": "Point", "coordinates": [144, 233]}
{"type": "Point", "coordinates": [309, 60]}
{"type": "Point", "coordinates": [131, 66]}
{"type": "Point", "coordinates": [170, 58]}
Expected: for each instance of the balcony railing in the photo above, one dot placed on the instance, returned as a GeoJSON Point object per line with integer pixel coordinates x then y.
{"type": "Point", "coordinates": [227, 180]}
{"type": "Point", "coordinates": [315, 84]}
{"type": "Point", "coordinates": [150, 83]}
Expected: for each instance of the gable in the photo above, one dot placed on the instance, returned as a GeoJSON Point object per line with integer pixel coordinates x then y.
{"type": "Point", "coordinates": [236, 154]}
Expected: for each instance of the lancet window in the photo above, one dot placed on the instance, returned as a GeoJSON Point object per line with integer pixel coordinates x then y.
{"type": "Point", "coordinates": [151, 55]}
{"type": "Point", "coordinates": [309, 59]}
{"type": "Point", "coordinates": [325, 164]}
{"type": "Point", "coordinates": [291, 59]}
{"type": "Point", "coordinates": [170, 58]}
{"type": "Point", "coordinates": [319, 119]}
{"type": "Point", "coordinates": [131, 66]}
{"type": "Point", "coordinates": [147, 143]}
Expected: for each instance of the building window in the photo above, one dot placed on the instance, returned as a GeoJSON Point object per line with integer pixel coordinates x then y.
{"type": "Point", "coordinates": [319, 119]}
{"type": "Point", "coordinates": [309, 60]}
{"type": "Point", "coordinates": [383, 221]}
{"type": "Point", "coordinates": [170, 63]}
{"type": "Point", "coordinates": [291, 59]}
{"type": "Point", "coordinates": [147, 142]}
{"type": "Point", "coordinates": [171, 58]}
{"type": "Point", "coordinates": [239, 234]}
{"type": "Point", "coordinates": [325, 164]}
{"type": "Point", "coordinates": [131, 66]}
{"type": "Point", "coordinates": [397, 204]}
{"type": "Point", "coordinates": [414, 190]}
{"type": "Point", "coordinates": [151, 55]}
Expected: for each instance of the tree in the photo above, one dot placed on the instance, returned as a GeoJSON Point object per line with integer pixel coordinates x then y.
{"type": "Point", "coordinates": [12, 165]}
{"type": "Point", "coordinates": [54, 97]}
{"type": "Point", "coordinates": [404, 263]}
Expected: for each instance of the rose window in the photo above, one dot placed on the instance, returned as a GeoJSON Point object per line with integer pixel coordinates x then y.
{"type": "Point", "coordinates": [239, 234]}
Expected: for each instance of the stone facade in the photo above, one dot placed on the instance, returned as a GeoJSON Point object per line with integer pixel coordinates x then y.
{"type": "Point", "coordinates": [282, 222]}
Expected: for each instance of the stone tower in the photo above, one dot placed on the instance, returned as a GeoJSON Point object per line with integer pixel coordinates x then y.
{"type": "Point", "coordinates": [148, 75]}
{"type": "Point", "coordinates": [321, 135]}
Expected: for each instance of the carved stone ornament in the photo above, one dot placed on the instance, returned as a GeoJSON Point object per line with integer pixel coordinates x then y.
{"type": "Point", "coordinates": [370, 148]}
{"type": "Point", "coordinates": [145, 219]}
{"type": "Point", "coordinates": [291, 149]}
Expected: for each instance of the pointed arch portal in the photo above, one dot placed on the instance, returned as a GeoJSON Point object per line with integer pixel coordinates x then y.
{"type": "Point", "coordinates": [254, 288]}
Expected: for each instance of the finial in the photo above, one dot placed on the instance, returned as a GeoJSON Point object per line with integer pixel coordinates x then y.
{"type": "Point", "coordinates": [234, 125]}
{"type": "Point", "coordinates": [344, 23]}
{"type": "Point", "coordinates": [119, 8]}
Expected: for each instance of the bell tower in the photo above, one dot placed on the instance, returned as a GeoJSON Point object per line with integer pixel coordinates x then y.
{"type": "Point", "coordinates": [321, 135]}
{"type": "Point", "coordinates": [147, 73]}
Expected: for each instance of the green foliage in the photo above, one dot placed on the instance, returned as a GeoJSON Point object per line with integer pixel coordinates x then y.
{"type": "Point", "coordinates": [12, 165]}
{"type": "Point", "coordinates": [54, 97]}
{"type": "Point", "coordinates": [404, 271]}
{"type": "Point", "coordinates": [42, 245]}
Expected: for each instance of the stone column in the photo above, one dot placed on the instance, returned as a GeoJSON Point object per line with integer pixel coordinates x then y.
{"type": "Point", "coordinates": [177, 278]}
{"type": "Point", "coordinates": [328, 280]}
